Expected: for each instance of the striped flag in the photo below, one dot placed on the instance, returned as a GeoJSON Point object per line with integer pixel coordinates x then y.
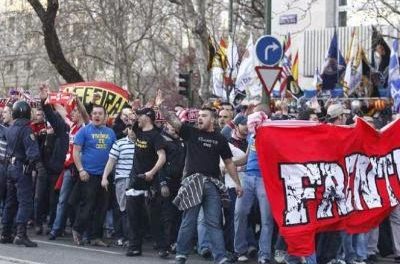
{"type": "Point", "coordinates": [394, 75]}
{"type": "Point", "coordinates": [286, 63]}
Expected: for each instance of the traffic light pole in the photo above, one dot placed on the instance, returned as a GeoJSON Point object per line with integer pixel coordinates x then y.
{"type": "Point", "coordinates": [266, 98]}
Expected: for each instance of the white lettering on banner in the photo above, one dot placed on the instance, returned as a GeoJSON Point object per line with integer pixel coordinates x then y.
{"type": "Point", "coordinates": [354, 188]}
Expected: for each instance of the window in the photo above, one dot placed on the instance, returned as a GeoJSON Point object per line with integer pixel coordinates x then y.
{"type": "Point", "coordinates": [342, 19]}
{"type": "Point", "coordinates": [342, 2]}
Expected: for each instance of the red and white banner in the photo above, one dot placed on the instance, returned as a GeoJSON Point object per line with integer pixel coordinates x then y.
{"type": "Point", "coordinates": [324, 178]}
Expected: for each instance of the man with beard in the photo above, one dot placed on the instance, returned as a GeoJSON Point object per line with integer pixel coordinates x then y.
{"type": "Point", "coordinates": [205, 147]}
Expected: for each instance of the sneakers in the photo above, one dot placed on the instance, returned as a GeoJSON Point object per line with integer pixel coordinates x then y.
{"type": "Point", "coordinates": [133, 252]}
{"type": "Point", "coordinates": [180, 259]}
{"type": "Point", "coordinates": [279, 256]}
{"type": "Point", "coordinates": [263, 261]}
{"type": "Point", "coordinates": [242, 258]}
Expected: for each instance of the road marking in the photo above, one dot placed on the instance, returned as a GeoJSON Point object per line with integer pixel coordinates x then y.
{"type": "Point", "coordinates": [78, 247]}
{"type": "Point", "coordinates": [18, 261]}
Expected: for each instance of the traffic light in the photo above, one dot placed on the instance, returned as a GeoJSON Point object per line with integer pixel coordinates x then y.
{"type": "Point", "coordinates": [184, 84]}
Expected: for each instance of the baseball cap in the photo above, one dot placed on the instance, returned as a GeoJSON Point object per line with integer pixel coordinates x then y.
{"type": "Point", "coordinates": [241, 120]}
{"type": "Point", "coordinates": [147, 111]}
{"type": "Point", "coordinates": [336, 110]}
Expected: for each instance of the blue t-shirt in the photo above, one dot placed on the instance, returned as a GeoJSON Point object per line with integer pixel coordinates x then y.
{"type": "Point", "coordinates": [252, 167]}
{"type": "Point", "coordinates": [96, 143]}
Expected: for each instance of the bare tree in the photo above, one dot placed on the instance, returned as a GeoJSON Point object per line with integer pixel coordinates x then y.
{"type": "Point", "coordinates": [47, 17]}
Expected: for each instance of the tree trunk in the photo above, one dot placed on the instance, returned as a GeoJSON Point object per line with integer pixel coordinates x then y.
{"type": "Point", "coordinates": [52, 42]}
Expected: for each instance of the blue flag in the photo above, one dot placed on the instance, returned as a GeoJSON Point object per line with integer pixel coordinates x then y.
{"type": "Point", "coordinates": [334, 65]}
{"type": "Point", "coordinates": [394, 75]}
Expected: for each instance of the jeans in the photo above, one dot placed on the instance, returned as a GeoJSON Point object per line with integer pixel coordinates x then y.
{"type": "Point", "coordinates": [373, 238]}
{"type": "Point", "coordinates": [212, 207]}
{"type": "Point", "coordinates": [297, 260]}
{"type": "Point", "coordinates": [62, 205]}
{"type": "Point", "coordinates": [354, 247]}
{"type": "Point", "coordinates": [203, 241]}
{"type": "Point", "coordinates": [253, 188]}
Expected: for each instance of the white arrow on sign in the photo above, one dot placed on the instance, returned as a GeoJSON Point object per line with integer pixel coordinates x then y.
{"type": "Point", "coordinates": [268, 76]}
{"type": "Point", "coordinates": [272, 47]}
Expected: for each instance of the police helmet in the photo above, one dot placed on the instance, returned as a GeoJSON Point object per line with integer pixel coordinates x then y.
{"type": "Point", "coordinates": [21, 109]}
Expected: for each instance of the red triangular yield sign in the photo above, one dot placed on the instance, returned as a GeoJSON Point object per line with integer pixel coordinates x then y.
{"type": "Point", "coordinates": [268, 76]}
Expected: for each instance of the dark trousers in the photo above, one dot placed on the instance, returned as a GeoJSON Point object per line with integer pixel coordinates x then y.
{"type": "Point", "coordinates": [92, 207]}
{"type": "Point", "coordinates": [229, 226]}
{"type": "Point", "coordinates": [19, 202]}
{"type": "Point", "coordinates": [165, 222]}
{"type": "Point", "coordinates": [3, 182]}
{"type": "Point", "coordinates": [328, 245]}
{"type": "Point", "coordinates": [135, 208]}
{"type": "Point", "coordinates": [45, 197]}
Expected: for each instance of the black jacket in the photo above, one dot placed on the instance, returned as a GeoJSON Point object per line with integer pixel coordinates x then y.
{"type": "Point", "coordinates": [58, 144]}
{"type": "Point", "coordinates": [172, 171]}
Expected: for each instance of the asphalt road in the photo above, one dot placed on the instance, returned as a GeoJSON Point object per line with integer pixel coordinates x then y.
{"type": "Point", "coordinates": [62, 251]}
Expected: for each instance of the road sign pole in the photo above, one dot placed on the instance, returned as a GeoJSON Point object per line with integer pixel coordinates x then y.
{"type": "Point", "coordinates": [266, 98]}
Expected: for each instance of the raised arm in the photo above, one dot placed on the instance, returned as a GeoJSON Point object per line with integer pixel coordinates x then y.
{"type": "Point", "coordinates": [171, 118]}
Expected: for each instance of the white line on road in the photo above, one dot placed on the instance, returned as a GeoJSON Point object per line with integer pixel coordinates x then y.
{"type": "Point", "coordinates": [77, 247]}
{"type": "Point", "coordinates": [18, 261]}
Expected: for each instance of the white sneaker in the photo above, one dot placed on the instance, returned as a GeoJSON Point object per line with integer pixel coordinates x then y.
{"type": "Point", "coordinates": [279, 256]}
{"type": "Point", "coordinates": [243, 258]}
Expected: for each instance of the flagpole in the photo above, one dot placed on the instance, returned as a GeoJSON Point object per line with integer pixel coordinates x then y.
{"type": "Point", "coordinates": [266, 98]}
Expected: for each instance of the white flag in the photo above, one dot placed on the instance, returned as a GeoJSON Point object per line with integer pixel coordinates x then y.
{"type": "Point", "coordinates": [233, 59]}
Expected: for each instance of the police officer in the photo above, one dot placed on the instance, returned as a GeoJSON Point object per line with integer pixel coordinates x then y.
{"type": "Point", "coordinates": [22, 153]}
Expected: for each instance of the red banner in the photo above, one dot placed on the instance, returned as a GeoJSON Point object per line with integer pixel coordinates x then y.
{"type": "Point", "coordinates": [112, 97]}
{"type": "Point", "coordinates": [325, 178]}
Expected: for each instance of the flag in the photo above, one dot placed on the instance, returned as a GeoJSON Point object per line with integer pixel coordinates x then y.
{"type": "Point", "coordinates": [247, 80]}
{"type": "Point", "coordinates": [394, 76]}
{"type": "Point", "coordinates": [286, 63]}
{"type": "Point", "coordinates": [354, 66]}
{"type": "Point", "coordinates": [295, 67]}
{"type": "Point", "coordinates": [321, 178]}
{"type": "Point", "coordinates": [232, 59]}
{"type": "Point", "coordinates": [380, 58]}
{"type": "Point", "coordinates": [246, 73]}
{"type": "Point", "coordinates": [350, 51]}
{"type": "Point", "coordinates": [334, 65]}
{"type": "Point", "coordinates": [218, 68]}
{"type": "Point", "coordinates": [317, 80]}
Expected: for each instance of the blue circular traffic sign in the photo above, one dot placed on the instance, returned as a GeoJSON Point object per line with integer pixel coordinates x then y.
{"type": "Point", "coordinates": [269, 50]}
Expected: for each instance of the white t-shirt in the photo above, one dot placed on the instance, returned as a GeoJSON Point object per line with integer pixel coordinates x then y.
{"type": "Point", "coordinates": [237, 154]}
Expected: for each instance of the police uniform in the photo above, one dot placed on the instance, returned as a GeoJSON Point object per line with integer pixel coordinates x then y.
{"type": "Point", "coordinates": [22, 153]}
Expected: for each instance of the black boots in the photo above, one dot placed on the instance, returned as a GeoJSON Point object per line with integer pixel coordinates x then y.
{"type": "Point", "coordinates": [6, 236]}
{"type": "Point", "coordinates": [22, 239]}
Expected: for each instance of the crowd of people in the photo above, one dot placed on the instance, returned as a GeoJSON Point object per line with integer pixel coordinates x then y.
{"type": "Point", "coordinates": [186, 185]}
